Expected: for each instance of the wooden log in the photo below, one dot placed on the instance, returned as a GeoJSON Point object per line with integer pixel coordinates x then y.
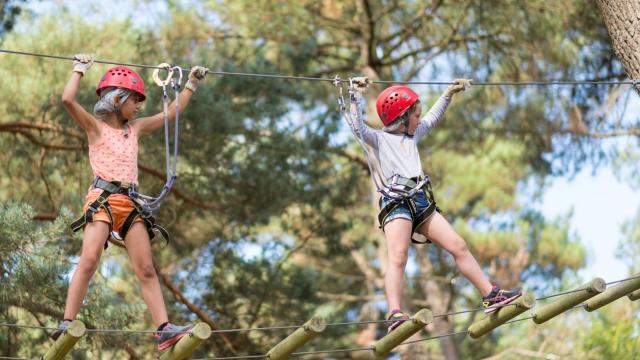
{"type": "Point", "coordinates": [502, 315]}
{"type": "Point", "coordinates": [188, 343]}
{"type": "Point", "coordinates": [297, 339]}
{"type": "Point", "coordinates": [384, 346]}
{"type": "Point", "coordinates": [568, 301]}
{"type": "Point", "coordinates": [613, 293]}
{"type": "Point", "coordinates": [66, 341]}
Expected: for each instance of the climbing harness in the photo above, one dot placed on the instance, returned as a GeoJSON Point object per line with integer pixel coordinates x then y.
{"type": "Point", "coordinates": [115, 187]}
{"type": "Point", "coordinates": [401, 190]}
{"type": "Point", "coordinates": [406, 191]}
{"type": "Point", "coordinates": [144, 205]}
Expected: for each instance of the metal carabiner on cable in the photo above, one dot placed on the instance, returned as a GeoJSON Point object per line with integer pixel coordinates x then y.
{"type": "Point", "coordinates": [156, 75]}
{"type": "Point", "coordinates": [337, 82]}
{"type": "Point", "coordinates": [176, 84]}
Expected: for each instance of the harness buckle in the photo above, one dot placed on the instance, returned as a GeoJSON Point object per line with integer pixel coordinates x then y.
{"type": "Point", "coordinates": [92, 208]}
{"type": "Point", "coordinates": [399, 187]}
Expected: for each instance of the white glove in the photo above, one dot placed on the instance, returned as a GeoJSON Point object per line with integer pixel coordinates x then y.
{"type": "Point", "coordinates": [82, 62]}
{"type": "Point", "coordinates": [196, 74]}
{"type": "Point", "coordinates": [456, 86]}
{"type": "Point", "coordinates": [360, 83]}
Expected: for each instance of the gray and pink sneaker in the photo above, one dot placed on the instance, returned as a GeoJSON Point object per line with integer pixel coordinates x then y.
{"type": "Point", "coordinates": [396, 318]}
{"type": "Point", "coordinates": [170, 334]}
{"type": "Point", "coordinates": [498, 298]}
{"type": "Point", "coordinates": [60, 330]}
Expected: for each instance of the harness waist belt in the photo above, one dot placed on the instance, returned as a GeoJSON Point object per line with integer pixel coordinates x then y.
{"type": "Point", "coordinates": [407, 189]}
{"type": "Point", "coordinates": [114, 187]}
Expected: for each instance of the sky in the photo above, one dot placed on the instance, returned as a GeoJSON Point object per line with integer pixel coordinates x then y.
{"type": "Point", "coordinates": [601, 203]}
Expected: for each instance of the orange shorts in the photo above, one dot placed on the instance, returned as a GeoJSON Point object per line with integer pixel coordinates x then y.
{"type": "Point", "coordinates": [121, 207]}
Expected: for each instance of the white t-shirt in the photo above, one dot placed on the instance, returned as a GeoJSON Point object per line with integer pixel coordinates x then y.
{"type": "Point", "coordinates": [397, 154]}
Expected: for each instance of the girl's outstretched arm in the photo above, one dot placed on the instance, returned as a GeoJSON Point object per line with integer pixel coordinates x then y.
{"type": "Point", "coordinates": [81, 63]}
{"type": "Point", "coordinates": [357, 114]}
{"type": "Point", "coordinates": [436, 112]}
{"type": "Point", "coordinates": [148, 124]}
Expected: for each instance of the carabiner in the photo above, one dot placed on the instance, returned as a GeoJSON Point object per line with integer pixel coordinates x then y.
{"type": "Point", "coordinates": [179, 82]}
{"type": "Point", "coordinates": [156, 77]}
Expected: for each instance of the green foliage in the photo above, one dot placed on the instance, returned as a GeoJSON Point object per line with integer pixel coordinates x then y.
{"type": "Point", "coordinates": [615, 335]}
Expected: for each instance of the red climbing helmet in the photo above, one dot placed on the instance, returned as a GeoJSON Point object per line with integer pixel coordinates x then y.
{"type": "Point", "coordinates": [394, 101]}
{"type": "Point", "coordinates": [122, 77]}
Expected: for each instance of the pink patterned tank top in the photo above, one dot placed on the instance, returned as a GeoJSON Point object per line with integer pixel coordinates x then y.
{"type": "Point", "coordinates": [115, 157]}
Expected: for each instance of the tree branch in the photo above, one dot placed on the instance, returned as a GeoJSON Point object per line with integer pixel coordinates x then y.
{"type": "Point", "coordinates": [351, 156]}
{"type": "Point", "coordinates": [18, 125]}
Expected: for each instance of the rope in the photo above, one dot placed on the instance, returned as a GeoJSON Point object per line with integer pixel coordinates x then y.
{"type": "Point", "coordinates": [288, 327]}
{"type": "Point", "coordinates": [622, 280]}
{"type": "Point", "coordinates": [465, 332]}
{"type": "Point", "coordinates": [150, 203]}
{"type": "Point", "coordinates": [257, 329]}
{"type": "Point", "coordinates": [349, 350]}
{"type": "Point", "coordinates": [578, 290]}
{"type": "Point", "coordinates": [515, 83]}
{"type": "Point", "coordinates": [71, 58]}
{"type": "Point", "coordinates": [333, 80]}
{"type": "Point", "coordinates": [292, 354]}
{"type": "Point", "coordinates": [435, 337]}
{"type": "Point", "coordinates": [560, 294]}
{"type": "Point", "coordinates": [332, 351]}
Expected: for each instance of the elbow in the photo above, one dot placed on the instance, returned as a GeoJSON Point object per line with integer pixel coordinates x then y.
{"type": "Point", "coordinates": [66, 100]}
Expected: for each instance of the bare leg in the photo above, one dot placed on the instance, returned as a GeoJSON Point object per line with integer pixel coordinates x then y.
{"type": "Point", "coordinates": [94, 235]}
{"type": "Point", "coordinates": [398, 234]}
{"type": "Point", "coordinates": [439, 231]}
{"type": "Point", "coordinates": [139, 250]}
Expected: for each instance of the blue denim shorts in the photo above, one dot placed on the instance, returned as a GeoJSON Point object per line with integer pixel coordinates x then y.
{"type": "Point", "coordinates": [402, 211]}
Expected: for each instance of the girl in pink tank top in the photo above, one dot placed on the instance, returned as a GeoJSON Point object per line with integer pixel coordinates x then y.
{"type": "Point", "coordinates": [113, 131]}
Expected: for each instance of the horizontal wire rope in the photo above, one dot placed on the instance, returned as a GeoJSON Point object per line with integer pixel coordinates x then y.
{"type": "Point", "coordinates": [286, 327]}
{"type": "Point", "coordinates": [338, 80]}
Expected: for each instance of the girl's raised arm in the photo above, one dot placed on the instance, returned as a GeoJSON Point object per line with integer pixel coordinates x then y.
{"type": "Point", "coordinates": [81, 63]}
{"type": "Point", "coordinates": [148, 124]}
{"type": "Point", "coordinates": [436, 112]}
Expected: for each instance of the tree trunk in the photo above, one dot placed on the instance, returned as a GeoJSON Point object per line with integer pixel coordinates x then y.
{"type": "Point", "coordinates": [622, 18]}
{"type": "Point", "coordinates": [439, 299]}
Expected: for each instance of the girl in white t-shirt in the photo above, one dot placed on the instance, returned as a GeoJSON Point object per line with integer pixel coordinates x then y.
{"type": "Point", "coordinates": [407, 204]}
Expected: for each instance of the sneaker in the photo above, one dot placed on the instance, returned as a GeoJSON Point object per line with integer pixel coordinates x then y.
{"type": "Point", "coordinates": [60, 330]}
{"type": "Point", "coordinates": [396, 318]}
{"type": "Point", "coordinates": [498, 298]}
{"type": "Point", "coordinates": [170, 335]}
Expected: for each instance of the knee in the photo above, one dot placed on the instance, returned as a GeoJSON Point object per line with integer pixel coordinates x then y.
{"type": "Point", "coordinates": [88, 264]}
{"type": "Point", "coordinates": [146, 271]}
{"type": "Point", "coordinates": [398, 259]}
{"type": "Point", "coordinates": [459, 247]}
